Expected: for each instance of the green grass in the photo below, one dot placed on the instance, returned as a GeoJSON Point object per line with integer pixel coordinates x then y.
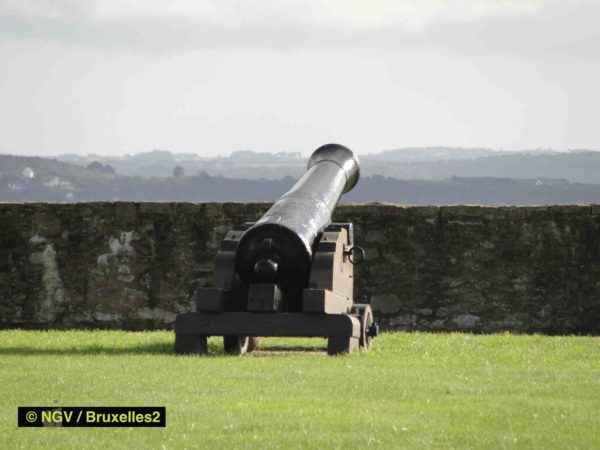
{"type": "Point", "coordinates": [411, 391]}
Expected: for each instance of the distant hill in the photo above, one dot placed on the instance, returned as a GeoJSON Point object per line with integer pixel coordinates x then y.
{"type": "Point", "coordinates": [431, 163]}
{"type": "Point", "coordinates": [412, 154]}
{"type": "Point", "coordinates": [12, 167]}
{"type": "Point", "coordinates": [538, 179]}
{"type": "Point", "coordinates": [205, 188]}
{"type": "Point", "coordinates": [580, 166]}
{"type": "Point", "coordinates": [160, 163]}
{"type": "Point", "coordinates": [29, 178]}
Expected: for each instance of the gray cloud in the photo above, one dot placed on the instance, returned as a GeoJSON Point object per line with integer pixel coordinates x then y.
{"type": "Point", "coordinates": [557, 33]}
{"type": "Point", "coordinates": [149, 34]}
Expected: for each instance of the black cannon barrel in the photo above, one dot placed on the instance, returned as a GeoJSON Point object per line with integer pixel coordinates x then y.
{"type": "Point", "coordinates": [278, 247]}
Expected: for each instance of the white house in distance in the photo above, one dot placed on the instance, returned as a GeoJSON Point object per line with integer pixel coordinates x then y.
{"type": "Point", "coordinates": [28, 173]}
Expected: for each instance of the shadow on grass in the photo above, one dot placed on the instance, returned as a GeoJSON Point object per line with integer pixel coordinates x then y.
{"type": "Point", "coordinates": [141, 349]}
{"type": "Point", "coordinates": [268, 349]}
{"type": "Point", "coordinates": [152, 349]}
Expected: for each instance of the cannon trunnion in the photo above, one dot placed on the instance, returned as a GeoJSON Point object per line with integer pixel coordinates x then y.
{"type": "Point", "coordinates": [290, 273]}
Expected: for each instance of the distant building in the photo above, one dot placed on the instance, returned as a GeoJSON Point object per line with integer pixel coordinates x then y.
{"type": "Point", "coordinates": [53, 182]}
{"type": "Point", "coordinates": [97, 166]}
{"type": "Point", "coordinates": [15, 186]}
{"type": "Point", "coordinates": [28, 173]}
{"type": "Point", "coordinates": [178, 172]}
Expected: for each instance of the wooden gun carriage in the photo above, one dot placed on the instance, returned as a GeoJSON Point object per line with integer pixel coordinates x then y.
{"type": "Point", "coordinates": [290, 273]}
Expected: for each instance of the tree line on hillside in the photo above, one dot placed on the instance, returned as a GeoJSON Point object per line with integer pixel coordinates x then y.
{"type": "Point", "coordinates": [206, 188]}
{"type": "Point", "coordinates": [433, 163]}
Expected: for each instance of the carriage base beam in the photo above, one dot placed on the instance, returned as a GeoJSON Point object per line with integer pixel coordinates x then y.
{"type": "Point", "coordinates": [191, 329]}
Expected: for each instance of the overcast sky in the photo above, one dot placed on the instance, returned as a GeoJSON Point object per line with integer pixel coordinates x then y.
{"type": "Point", "coordinates": [212, 77]}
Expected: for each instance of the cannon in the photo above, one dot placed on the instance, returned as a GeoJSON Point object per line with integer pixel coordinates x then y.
{"type": "Point", "coordinates": [290, 273]}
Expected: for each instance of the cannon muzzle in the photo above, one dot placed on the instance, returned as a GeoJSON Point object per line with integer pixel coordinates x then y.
{"type": "Point", "coordinates": [278, 248]}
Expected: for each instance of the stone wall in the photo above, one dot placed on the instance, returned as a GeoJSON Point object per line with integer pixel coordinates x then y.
{"type": "Point", "coordinates": [136, 265]}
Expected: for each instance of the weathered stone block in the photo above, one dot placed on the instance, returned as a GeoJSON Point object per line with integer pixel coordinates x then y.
{"type": "Point", "coordinates": [466, 321]}
{"type": "Point", "coordinates": [385, 303]}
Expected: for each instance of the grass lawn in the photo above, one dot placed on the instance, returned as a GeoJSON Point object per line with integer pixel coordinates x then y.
{"type": "Point", "coordinates": [412, 390]}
